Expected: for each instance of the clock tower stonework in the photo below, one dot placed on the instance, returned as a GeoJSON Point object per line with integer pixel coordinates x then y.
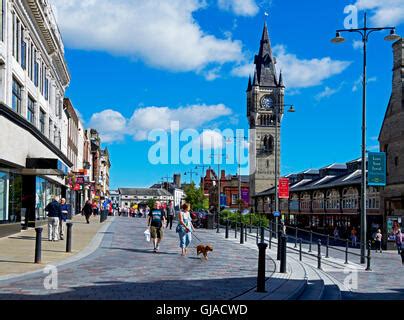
{"type": "Point", "coordinates": [265, 93]}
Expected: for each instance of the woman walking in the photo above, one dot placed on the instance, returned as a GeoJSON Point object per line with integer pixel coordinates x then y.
{"type": "Point", "coordinates": [399, 241]}
{"type": "Point", "coordinates": [87, 211]}
{"type": "Point", "coordinates": [185, 228]}
{"type": "Point", "coordinates": [378, 240]}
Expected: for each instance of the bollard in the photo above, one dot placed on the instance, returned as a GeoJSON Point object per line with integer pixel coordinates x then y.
{"type": "Point", "coordinates": [278, 251]}
{"type": "Point", "coordinates": [250, 228]}
{"type": "Point", "coordinates": [319, 255]}
{"type": "Point", "coordinates": [227, 230]}
{"type": "Point", "coordinates": [346, 251]}
{"type": "Point", "coordinates": [296, 237]}
{"type": "Point", "coordinates": [270, 239]}
{"type": "Point", "coordinates": [38, 245]}
{"type": "Point", "coordinates": [241, 233]}
{"type": "Point", "coordinates": [283, 242]}
{"type": "Point", "coordinates": [311, 240]}
{"type": "Point", "coordinates": [245, 233]}
{"type": "Point", "coordinates": [257, 234]}
{"type": "Point", "coordinates": [261, 267]}
{"type": "Point", "coordinates": [235, 230]}
{"type": "Point", "coordinates": [69, 226]}
{"type": "Point", "coordinates": [368, 256]}
{"type": "Point", "coordinates": [300, 250]}
{"type": "Point", "coordinates": [327, 246]}
{"type": "Point", "coordinates": [262, 235]}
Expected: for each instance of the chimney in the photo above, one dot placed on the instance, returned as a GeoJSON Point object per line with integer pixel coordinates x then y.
{"type": "Point", "coordinates": [223, 175]}
{"type": "Point", "coordinates": [177, 180]}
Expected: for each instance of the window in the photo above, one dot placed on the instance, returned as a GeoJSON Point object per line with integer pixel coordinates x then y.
{"type": "Point", "coordinates": [234, 198]}
{"type": "Point", "coordinates": [16, 103]}
{"type": "Point", "coordinates": [350, 198]}
{"type": "Point", "coordinates": [55, 135]}
{"type": "Point", "coordinates": [333, 200]}
{"type": "Point", "coordinates": [396, 161]}
{"type": "Point", "coordinates": [36, 71]}
{"type": "Point", "coordinates": [373, 198]}
{"type": "Point", "coordinates": [50, 136]}
{"type": "Point", "coordinates": [47, 89]}
{"type": "Point", "coordinates": [42, 121]}
{"type": "Point", "coordinates": [305, 202]}
{"type": "Point", "coordinates": [318, 200]}
{"type": "Point", "coordinates": [31, 110]}
{"type": "Point", "coordinates": [3, 196]}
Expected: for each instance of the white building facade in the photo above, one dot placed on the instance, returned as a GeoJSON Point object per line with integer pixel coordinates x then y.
{"type": "Point", "coordinates": [33, 136]}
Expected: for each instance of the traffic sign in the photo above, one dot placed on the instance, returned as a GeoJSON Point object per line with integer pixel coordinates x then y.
{"type": "Point", "coordinates": [277, 214]}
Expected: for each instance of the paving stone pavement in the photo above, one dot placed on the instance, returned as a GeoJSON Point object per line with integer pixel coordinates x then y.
{"type": "Point", "coordinates": [125, 267]}
{"type": "Point", "coordinates": [384, 282]}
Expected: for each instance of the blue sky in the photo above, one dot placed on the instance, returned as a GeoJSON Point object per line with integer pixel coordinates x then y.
{"type": "Point", "coordinates": [135, 65]}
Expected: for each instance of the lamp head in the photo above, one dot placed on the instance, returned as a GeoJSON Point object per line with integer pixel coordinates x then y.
{"type": "Point", "coordinates": [392, 36]}
{"type": "Point", "coordinates": [338, 38]}
{"type": "Point", "coordinates": [292, 109]}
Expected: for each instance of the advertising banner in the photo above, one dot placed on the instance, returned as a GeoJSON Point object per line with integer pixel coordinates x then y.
{"type": "Point", "coordinates": [377, 169]}
{"type": "Point", "coordinates": [283, 192]}
{"type": "Point", "coordinates": [245, 195]}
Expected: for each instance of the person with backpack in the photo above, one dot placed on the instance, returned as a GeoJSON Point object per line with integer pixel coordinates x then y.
{"type": "Point", "coordinates": [155, 221]}
{"type": "Point", "coordinates": [65, 209]}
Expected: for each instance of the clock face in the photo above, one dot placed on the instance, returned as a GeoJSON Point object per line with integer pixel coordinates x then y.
{"type": "Point", "coordinates": [267, 102]}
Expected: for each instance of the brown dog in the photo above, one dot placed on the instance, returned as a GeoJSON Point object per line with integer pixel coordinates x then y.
{"type": "Point", "coordinates": [204, 250]}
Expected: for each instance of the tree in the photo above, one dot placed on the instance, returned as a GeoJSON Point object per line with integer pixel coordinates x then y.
{"type": "Point", "coordinates": [195, 197]}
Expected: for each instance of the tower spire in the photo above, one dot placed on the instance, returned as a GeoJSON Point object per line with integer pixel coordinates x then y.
{"type": "Point", "coordinates": [280, 82]}
{"type": "Point", "coordinates": [249, 87]}
{"type": "Point", "coordinates": [264, 61]}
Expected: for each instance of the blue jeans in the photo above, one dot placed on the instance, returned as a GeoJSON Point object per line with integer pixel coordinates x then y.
{"type": "Point", "coordinates": [185, 239]}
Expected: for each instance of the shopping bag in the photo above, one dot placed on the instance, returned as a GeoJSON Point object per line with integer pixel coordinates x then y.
{"type": "Point", "coordinates": [147, 235]}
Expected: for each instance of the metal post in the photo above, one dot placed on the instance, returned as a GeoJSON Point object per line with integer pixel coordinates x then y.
{"type": "Point", "coordinates": [311, 240]}
{"type": "Point", "coordinates": [262, 235]}
{"type": "Point", "coordinates": [368, 256]}
{"type": "Point", "coordinates": [270, 239]}
{"type": "Point", "coordinates": [261, 267]}
{"type": "Point", "coordinates": [257, 234]}
{"type": "Point", "coordinates": [319, 255]}
{"type": "Point", "coordinates": [296, 237]}
{"type": "Point", "coordinates": [278, 253]}
{"type": "Point", "coordinates": [38, 245]}
{"type": "Point", "coordinates": [241, 233]}
{"type": "Point", "coordinates": [363, 184]}
{"type": "Point", "coordinates": [69, 226]}
{"type": "Point", "coordinates": [346, 251]}
{"type": "Point", "coordinates": [327, 246]}
{"type": "Point", "coordinates": [283, 255]}
{"type": "Point", "coordinates": [300, 249]}
{"type": "Point", "coordinates": [276, 164]}
{"type": "Point", "coordinates": [227, 229]}
{"type": "Point", "coordinates": [245, 233]}
{"type": "Point", "coordinates": [235, 230]}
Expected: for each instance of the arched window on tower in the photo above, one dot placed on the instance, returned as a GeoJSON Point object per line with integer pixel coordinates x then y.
{"type": "Point", "coordinates": [268, 144]}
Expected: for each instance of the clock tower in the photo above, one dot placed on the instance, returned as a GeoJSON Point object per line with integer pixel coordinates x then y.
{"type": "Point", "coordinates": [265, 93]}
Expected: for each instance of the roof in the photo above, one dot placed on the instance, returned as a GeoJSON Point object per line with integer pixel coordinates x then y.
{"type": "Point", "coordinates": [336, 166]}
{"type": "Point", "coordinates": [144, 192]}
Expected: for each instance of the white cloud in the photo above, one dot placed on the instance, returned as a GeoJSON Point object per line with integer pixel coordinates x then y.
{"type": "Point", "coordinates": [358, 82]}
{"type": "Point", "coordinates": [357, 44]}
{"type": "Point", "coordinates": [210, 139]}
{"type": "Point", "coordinates": [110, 124]}
{"type": "Point", "coordinates": [303, 73]}
{"type": "Point", "coordinates": [326, 93]}
{"type": "Point", "coordinates": [298, 73]}
{"type": "Point", "coordinates": [161, 33]}
{"type": "Point", "coordinates": [239, 7]}
{"type": "Point", "coordinates": [385, 13]}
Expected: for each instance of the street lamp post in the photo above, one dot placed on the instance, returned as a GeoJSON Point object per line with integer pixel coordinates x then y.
{"type": "Point", "coordinates": [219, 155]}
{"type": "Point", "coordinates": [364, 32]}
{"type": "Point", "coordinates": [277, 111]}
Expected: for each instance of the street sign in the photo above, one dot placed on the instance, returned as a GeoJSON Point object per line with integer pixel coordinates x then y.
{"type": "Point", "coordinates": [376, 169]}
{"type": "Point", "coordinates": [283, 188]}
{"type": "Point", "coordinates": [277, 214]}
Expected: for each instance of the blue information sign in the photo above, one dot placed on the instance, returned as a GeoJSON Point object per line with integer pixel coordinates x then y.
{"type": "Point", "coordinates": [376, 169]}
{"type": "Point", "coordinates": [277, 214]}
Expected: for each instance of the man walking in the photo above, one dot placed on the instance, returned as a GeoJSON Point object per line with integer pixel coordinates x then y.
{"type": "Point", "coordinates": [64, 208]}
{"type": "Point", "coordinates": [87, 211]}
{"type": "Point", "coordinates": [155, 222]}
{"type": "Point", "coordinates": [170, 215]}
{"type": "Point", "coordinates": [54, 214]}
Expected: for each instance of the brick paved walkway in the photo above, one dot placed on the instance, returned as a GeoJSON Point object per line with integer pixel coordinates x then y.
{"type": "Point", "coordinates": [124, 267]}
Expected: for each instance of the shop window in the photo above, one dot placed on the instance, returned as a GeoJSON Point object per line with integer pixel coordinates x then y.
{"type": "Point", "coordinates": [3, 197]}
{"type": "Point", "coordinates": [14, 198]}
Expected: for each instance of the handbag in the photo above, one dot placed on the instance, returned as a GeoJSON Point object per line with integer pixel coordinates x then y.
{"type": "Point", "coordinates": [147, 235]}
{"type": "Point", "coordinates": [179, 228]}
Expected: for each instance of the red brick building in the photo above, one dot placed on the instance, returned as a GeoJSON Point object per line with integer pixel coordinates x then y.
{"type": "Point", "coordinates": [229, 189]}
